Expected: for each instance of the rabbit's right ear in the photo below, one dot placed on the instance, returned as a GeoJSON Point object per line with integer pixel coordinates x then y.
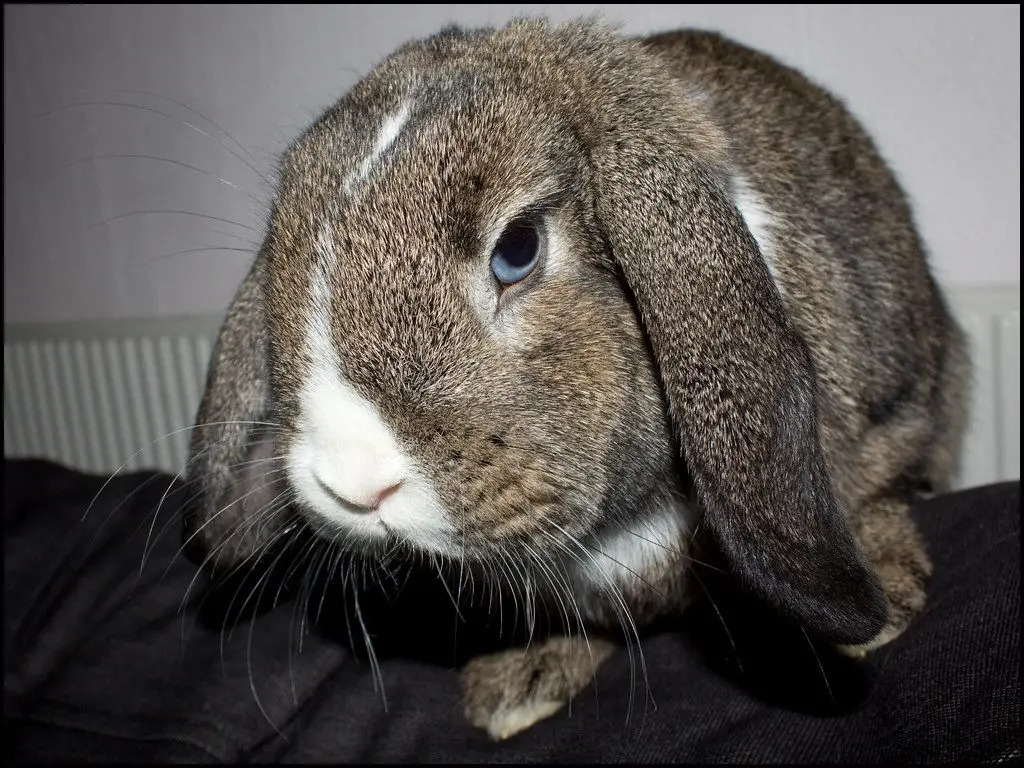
{"type": "Point", "coordinates": [234, 478]}
{"type": "Point", "coordinates": [739, 381]}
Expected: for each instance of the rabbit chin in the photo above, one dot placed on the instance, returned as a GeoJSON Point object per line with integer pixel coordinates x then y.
{"type": "Point", "coordinates": [411, 514]}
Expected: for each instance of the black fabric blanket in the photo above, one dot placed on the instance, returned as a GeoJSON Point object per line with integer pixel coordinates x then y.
{"type": "Point", "coordinates": [105, 659]}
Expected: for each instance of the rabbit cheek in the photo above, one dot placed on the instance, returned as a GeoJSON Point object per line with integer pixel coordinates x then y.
{"type": "Point", "coordinates": [542, 479]}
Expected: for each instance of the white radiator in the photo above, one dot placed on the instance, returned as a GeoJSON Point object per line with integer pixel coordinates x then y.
{"type": "Point", "coordinates": [991, 318]}
{"type": "Point", "coordinates": [97, 396]}
{"type": "Point", "coordinates": [100, 395]}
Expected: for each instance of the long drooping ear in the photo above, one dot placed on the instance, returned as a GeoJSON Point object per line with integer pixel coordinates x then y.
{"type": "Point", "coordinates": [740, 386]}
{"type": "Point", "coordinates": [233, 477]}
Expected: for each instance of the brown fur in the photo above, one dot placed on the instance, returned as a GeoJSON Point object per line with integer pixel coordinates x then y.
{"type": "Point", "coordinates": [809, 413]}
{"type": "Point", "coordinates": [509, 691]}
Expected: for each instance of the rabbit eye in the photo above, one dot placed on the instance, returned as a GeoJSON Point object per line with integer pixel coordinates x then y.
{"type": "Point", "coordinates": [517, 252]}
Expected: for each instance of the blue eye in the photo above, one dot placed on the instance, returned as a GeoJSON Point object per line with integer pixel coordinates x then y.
{"type": "Point", "coordinates": [517, 252]}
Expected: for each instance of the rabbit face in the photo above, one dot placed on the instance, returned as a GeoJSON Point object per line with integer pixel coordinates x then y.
{"type": "Point", "coordinates": [428, 396]}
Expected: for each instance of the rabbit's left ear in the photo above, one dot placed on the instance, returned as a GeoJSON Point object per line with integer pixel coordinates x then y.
{"type": "Point", "coordinates": [740, 387]}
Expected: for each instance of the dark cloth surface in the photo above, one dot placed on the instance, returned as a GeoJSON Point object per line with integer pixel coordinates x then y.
{"type": "Point", "coordinates": [107, 661]}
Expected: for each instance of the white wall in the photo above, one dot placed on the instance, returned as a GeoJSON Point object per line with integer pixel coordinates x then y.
{"type": "Point", "coordinates": [938, 86]}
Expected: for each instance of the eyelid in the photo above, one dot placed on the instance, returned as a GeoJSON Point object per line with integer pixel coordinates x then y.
{"type": "Point", "coordinates": [508, 292]}
{"type": "Point", "coordinates": [536, 211]}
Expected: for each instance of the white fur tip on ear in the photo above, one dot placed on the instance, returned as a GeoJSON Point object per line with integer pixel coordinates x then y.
{"type": "Point", "coordinates": [760, 221]}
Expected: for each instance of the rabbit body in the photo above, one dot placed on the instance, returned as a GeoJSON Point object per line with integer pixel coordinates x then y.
{"type": "Point", "coordinates": [731, 325]}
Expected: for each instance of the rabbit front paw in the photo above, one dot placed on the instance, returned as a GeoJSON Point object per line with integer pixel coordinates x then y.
{"type": "Point", "coordinates": [509, 691]}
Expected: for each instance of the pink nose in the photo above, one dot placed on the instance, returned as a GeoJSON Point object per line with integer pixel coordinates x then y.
{"type": "Point", "coordinates": [375, 500]}
{"type": "Point", "coordinates": [361, 500]}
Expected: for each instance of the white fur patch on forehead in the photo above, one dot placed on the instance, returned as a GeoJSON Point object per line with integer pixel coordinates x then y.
{"type": "Point", "coordinates": [318, 331]}
{"type": "Point", "coordinates": [761, 222]}
{"type": "Point", "coordinates": [346, 465]}
{"type": "Point", "coordinates": [388, 132]}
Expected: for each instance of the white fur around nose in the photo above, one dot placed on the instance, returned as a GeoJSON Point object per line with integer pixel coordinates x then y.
{"type": "Point", "coordinates": [389, 131]}
{"type": "Point", "coordinates": [345, 455]}
{"type": "Point", "coordinates": [760, 221]}
{"type": "Point", "coordinates": [356, 456]}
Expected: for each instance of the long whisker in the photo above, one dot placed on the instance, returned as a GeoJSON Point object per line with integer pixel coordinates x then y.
{"type": "Point", "coordinates": [164, 437]}
{"type": "Point", "coordinates": [138, 488]}
{"type": "Point", "coordinates": [721, 618]}
{"type": "Point", "coordinates": [223, 509]}
{"type": "Point", "coordinates": [594, 549]}
{"type": "Point", "coordinates": [671, 550]}
{"type": "Point", "coordinates": [264, 578]}
{"type": "Point", "coordinates": [558, 582]}
{"type": "Point", "coordinates": [185, 106]}
{"type": "Point", "coordinates": [268, 510]}
{"type": "Point", "coordinates": [374, 663]}
{"type": "Point", "coordinates": [161, 212]}
{"type": "Point", "coordinates": [155, 111]}
{"type": "Point", "coordinates": [131, 156]}
{"type": "Point", "coordinates": [188, 501]}
{"type": "Point", "coordinates": [821, 667]}
{"type": "Point", "coordinates": [248, 657]}
{"type": "Point", "coordinates": [621, 607]}
{"type": "Point", "coordinates": [204, 249]}
{"type": "Point", "coordinates": [171, 519]}
{"type": "Point", "coordinates": [149, 535]}
{"type": "Point", "coordinates": [333, 565]}
{"type": "Point", "coordinates": [444, 584]}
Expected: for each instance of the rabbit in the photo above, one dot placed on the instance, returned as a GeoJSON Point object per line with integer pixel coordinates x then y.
{"type": "Point", "coordinates": [558, 298]}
